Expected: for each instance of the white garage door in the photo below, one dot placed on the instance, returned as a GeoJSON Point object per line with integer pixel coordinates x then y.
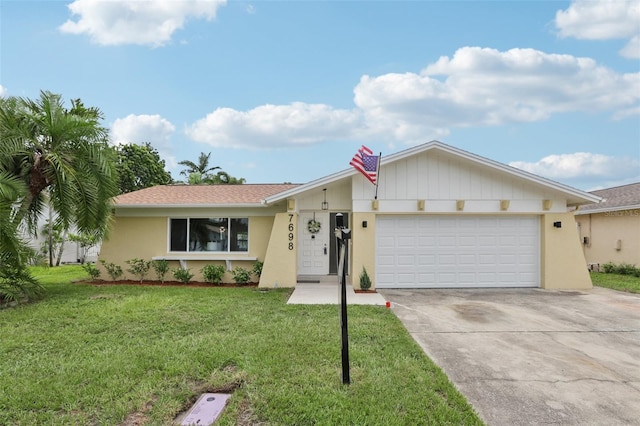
{"type": "Point", "coordinates": [457, 251]}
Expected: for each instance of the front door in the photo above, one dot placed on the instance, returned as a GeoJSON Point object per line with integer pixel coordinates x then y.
{"type": "Point", "coordinates": [313, 243]}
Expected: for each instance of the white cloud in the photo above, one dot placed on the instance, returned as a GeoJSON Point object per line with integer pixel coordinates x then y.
{"type": "Point", "coordinates": [475, 87]}
{"type": "Point", "coordinates": [603, 20]}
{"type": "Point", "coordinates": [583, 165]}
{"type": "Point", "coordinates": [3, 90]}
{"type": "Point", "coordinates": [270, 126]}
{"type": "Point", "coordinates": [487, 87]}
{"type": "Point", "coordinates": [150, 22]}
{"type": "Point", "coordinates": [140, 129]}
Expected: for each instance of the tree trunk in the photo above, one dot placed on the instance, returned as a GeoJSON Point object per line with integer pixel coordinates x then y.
{"type": "Point", "coordinates": [61, 248]}
{"type": "Point", "coordinates": [50, 248]}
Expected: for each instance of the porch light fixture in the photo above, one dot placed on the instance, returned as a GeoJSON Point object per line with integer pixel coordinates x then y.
{"type": "Point", "coordinates": [325, 205]}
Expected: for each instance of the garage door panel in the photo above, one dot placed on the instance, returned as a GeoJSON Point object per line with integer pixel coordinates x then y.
{"type": "Point", "coordinates": [457, 251]}
{"type": "Point", "coordinates": [406, 260]}
{"type": "Point", "coordinates": [385, 261]}
{"type": "Point", "coordinates": [467, 278]}
{"type": "Point", "coordinates": [468, 241]}
{"type": "Point", "coordinates": [446, 259]}
{"type": "Point", "coordinates": [426, 240]}
{"type": "Point", "coordinates": [467, 259]}
{"type": "Point", "coordinates": [426, 278]}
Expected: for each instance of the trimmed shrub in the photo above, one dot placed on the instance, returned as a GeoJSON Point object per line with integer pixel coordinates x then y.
{"type": "Point", "coordinates": [139, 267]}
{"type": "Point", "coordinates": [91, 269]}
{"type": "Point", "coordinates": [161, 267]}
{"type": "Point", "coordinates": [365, 281]}
{"type": "Point", "coordinates": [257, 268]}
{"type": "Point", "coordinates": [241, 275]}
{"type": "Point", "coordinates": [114, 271]}
{"type": "Point", "coordinates": [622, 269]}
{"type": "Point", "coordinates": [213, 273]}
{"type": "Point", "coordinates": [626, 269]}
{"type": "Point", "coordinates": [183, 275]}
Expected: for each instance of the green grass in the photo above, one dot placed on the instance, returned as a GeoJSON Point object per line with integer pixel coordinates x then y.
{"type": "Point", "coordinates": [628, 283]}
{"type": "Point", "coordinates": [113, 355]}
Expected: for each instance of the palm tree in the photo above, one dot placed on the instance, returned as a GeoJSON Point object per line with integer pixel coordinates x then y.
{"type": "Point", "coordinates": [16, 282]}
{"type": "Point", "coordinates": [202, 167]}
{"type": "Point", "coordinates": [62, 157]}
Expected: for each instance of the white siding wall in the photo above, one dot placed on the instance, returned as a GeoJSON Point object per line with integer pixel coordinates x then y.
{"type": "Point", "coordinates": [441, 179]}
{"type": "Point", "coordinates": [338, 197]}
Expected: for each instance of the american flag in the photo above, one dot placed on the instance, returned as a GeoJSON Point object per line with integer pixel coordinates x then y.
{"type": "Point", "coordinates": [366, 163]}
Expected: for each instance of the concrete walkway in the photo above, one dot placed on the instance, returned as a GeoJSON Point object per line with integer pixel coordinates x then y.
{"type": "Point", "coordinates": [328, 293]}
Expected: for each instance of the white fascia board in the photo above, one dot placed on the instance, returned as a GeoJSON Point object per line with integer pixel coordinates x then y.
{"type": "Point", "coordinates": [187, 206]}
{"type": "Point", "coordinates": [608, 209]}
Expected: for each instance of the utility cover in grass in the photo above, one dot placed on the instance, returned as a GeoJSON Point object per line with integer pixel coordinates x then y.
{"type": "Point", "coordinates": [206, 410]}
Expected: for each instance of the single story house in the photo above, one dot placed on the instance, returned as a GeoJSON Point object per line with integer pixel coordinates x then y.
{"type": "Point", "coordinates": [610, 230]}
{"type": "Point", "coordinates": [443, 217]}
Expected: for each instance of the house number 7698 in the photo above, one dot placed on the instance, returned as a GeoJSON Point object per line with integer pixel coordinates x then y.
{"type": "Point", "coordinates": [291, 229]}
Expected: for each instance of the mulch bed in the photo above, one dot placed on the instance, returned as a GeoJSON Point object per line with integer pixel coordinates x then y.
{"type": "Point", "coordinates": [165, 284]}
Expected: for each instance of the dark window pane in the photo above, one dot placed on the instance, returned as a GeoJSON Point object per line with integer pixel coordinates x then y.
{"type": "Point", "coordinates": [239, 234]}
{"type": "Point", "coordinates": [208, 234]}
{"type": "Point", "coordinates": [178, 241]}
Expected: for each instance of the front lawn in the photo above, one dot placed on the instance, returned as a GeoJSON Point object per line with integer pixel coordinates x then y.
{"type": "Point", "coordinates": [628, 283]}
{"type": "Point", "coordinates": [133, 355]}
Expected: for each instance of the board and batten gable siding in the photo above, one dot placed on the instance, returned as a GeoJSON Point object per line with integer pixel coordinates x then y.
{"type": "Point", "coordinates": [440, 179]}
{"type": "Point", "coordinates": [338, 197]}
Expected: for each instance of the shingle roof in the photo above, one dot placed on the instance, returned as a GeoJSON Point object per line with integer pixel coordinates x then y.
{"type": "Point", "coordinates": [205, 195]}
{"type": "Point", "coordinates": [616, 198]}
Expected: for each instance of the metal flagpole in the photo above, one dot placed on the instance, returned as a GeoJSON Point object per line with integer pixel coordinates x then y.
{"type": "Point", "coordinates": [378, 175]}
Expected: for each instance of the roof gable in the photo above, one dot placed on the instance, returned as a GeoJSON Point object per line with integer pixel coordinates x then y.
{"type": "Point", "coordinates": [574, 196]}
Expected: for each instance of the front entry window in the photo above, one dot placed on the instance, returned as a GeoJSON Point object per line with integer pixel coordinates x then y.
{"type": "Point", "coordinates": [220, 234]}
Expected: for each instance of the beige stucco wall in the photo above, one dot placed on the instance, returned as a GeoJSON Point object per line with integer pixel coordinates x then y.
{"type": "Point", "coordinates": [363, 248]}
{"type": "Point", "coordinates": [134, 237]}
{"type": "Point", "coordinates": [604, 230]}
{"type": "Point", "coordinates": [562, 262]}
{"type": "Point", "coordinates": [146, 238]}
{"type": "Point", "coordinates": [281, 259]}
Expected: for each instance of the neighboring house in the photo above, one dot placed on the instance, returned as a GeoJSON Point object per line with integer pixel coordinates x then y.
{"type": "Point", "coordinates": [443, 217]}
{"type": "Point", "coordinates": [72, 252]}
{"type": "Point", "coordinates": [610, 230]}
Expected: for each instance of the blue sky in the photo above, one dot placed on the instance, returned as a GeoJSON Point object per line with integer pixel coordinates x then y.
{"type": "Point", "coordinates": [286, 91]}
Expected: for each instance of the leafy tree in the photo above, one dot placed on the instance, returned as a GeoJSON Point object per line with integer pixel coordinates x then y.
{"type": "Point", "coordinates": [16, 281]}
{"type": "Point", "coordinates": [200, 173]}
{"type": "Point", "coordinates": [140, 166]}
{"type": "Point", "coordinates": [220, 178]}
{"type": "Point", "coordinates": [56, 155]}
{"type": "Point", "coordinates": [224, 178]}
{"type": "Point", "coordinates": [55, 237]}
{"type": "Point", "coordinates": [85, 241]}
{"type": "Point", "coordinates": [202, 166]}
{"type": "Point", "coordinates": [60, 152]}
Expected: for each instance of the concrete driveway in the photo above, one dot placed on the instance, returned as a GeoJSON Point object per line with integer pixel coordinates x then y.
{"type": "Point", "coordinates": [531, 356]}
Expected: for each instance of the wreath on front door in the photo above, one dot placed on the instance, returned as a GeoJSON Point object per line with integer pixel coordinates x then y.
{"type": "Point", "coordinates": [313, 226]}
